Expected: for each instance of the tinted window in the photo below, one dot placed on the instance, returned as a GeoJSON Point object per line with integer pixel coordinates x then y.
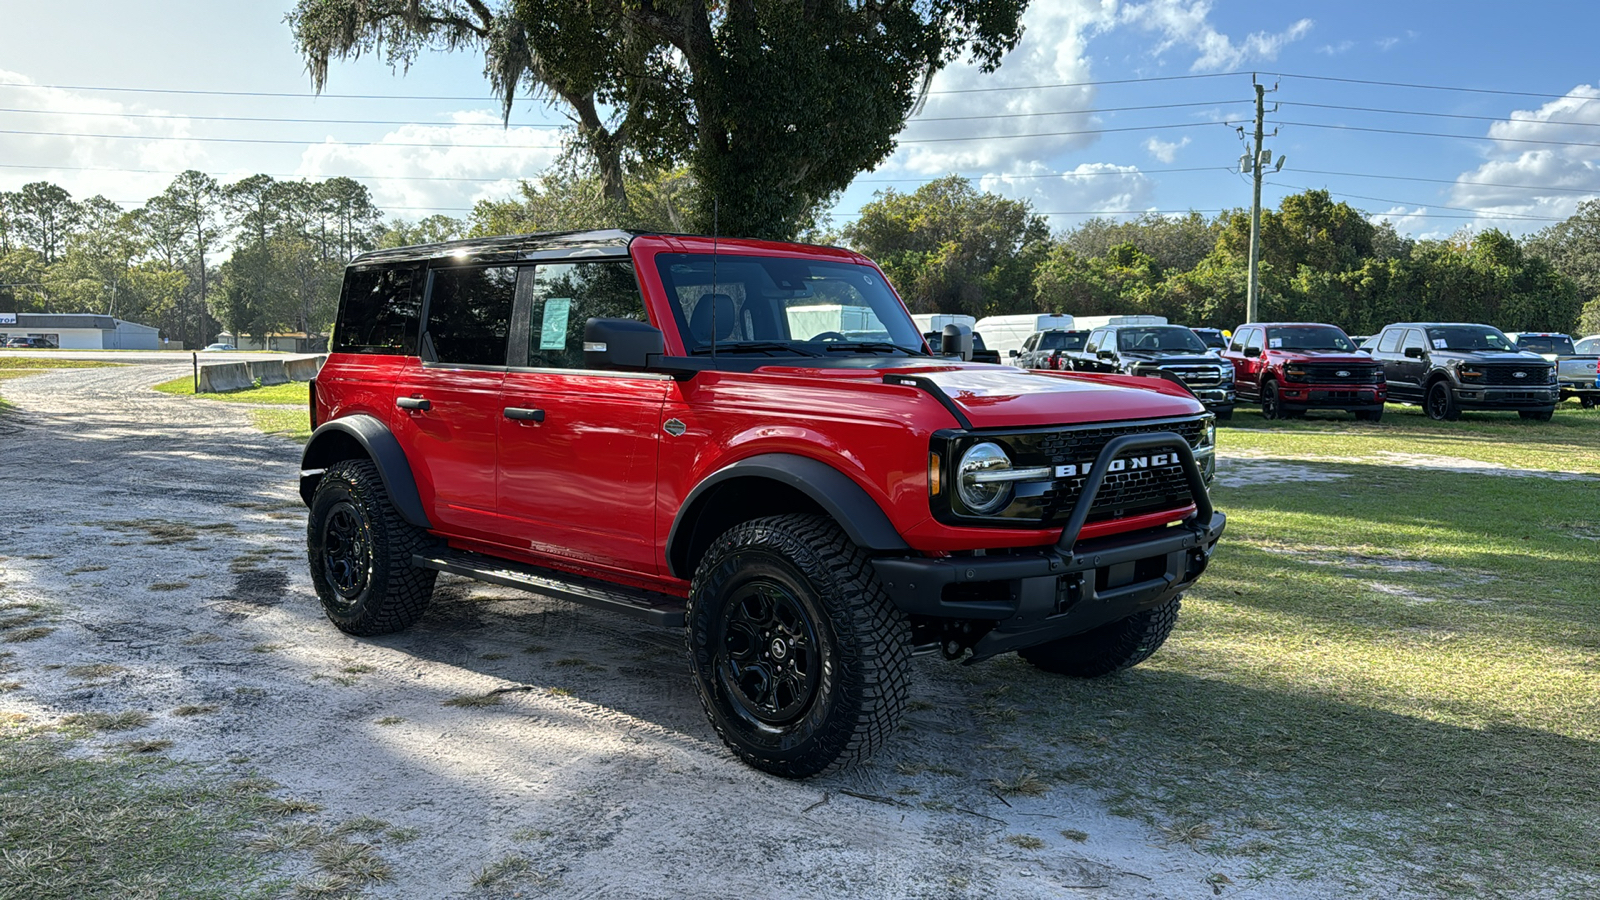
{"type": "Point", "coordinates": [567, 295]}
{"type": "Point", "coordinates": [1557, 345]}
{"type": "Point", "coordinates": [1468, 337]}
{"type": "Point", "coordinates": [1391, 341]}
{"type": "Point", "coordinates": [1061, 340]}
{"type": "Point", "coordinates": [378, 311]}
{"type": "Point", "coordinates": [469, 314]}
{"type": "Point", "coordinates": [1159, 337]}
{"type": "Point", "coordinates": [1308, 337]}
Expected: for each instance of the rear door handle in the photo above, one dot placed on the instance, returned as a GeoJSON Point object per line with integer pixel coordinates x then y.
{"type": "Point", "coordinates": [524, 415]}
{"type": "Point", "coordinates": [414, 403]}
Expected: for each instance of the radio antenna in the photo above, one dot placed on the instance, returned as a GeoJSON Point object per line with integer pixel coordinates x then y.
{"type": "Point", "coordinates": [713, 296]}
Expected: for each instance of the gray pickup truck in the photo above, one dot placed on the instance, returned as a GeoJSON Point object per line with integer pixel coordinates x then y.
{"type": "Point", "coordinates": [1575, 372]}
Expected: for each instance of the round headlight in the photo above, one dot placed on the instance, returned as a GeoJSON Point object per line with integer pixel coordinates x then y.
{"type": "Point", "coordinates": [1208, 433]}
{"type": "Point", "coordinates": [978, 495]}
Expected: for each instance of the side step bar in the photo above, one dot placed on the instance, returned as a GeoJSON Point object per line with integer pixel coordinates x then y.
{"type": "Point", "coordinates": [657, 609]}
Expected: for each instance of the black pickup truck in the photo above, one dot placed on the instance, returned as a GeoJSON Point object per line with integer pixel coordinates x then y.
{"type": "Point", "coordinates": [1448, 367]}
{"type": "Point", "coordinates": [1160, 351]}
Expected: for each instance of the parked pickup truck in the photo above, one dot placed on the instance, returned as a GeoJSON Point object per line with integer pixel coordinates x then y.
{"type": "Point", "coordinates": [1172, 352]}
{"type": "Point", "coordinates": [1291, 367]}
{"type": "Point", "coordinates": [1446, 367]}
{"type": "Point", "coordinates": [1575, 372]}
{"type": "Point", "coordinates": [664, 426]}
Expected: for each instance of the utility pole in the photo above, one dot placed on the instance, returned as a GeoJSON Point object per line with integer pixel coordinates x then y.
{"type": "Point", "coordinates": [1253, 163]}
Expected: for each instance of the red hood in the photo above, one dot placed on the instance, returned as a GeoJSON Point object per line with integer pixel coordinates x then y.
{"type": "Point", "coordinates": [1006, 397]}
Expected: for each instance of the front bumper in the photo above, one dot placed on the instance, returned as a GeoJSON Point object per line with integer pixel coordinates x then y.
{"type": "Point", "coordinates": [1348, 397]}
{"type": "Point", "coordinates": [1040, 595]}
{"type": "Point", "coordinates": [1540, 397]}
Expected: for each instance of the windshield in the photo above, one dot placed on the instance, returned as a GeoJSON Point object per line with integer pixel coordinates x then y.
{"type": "Point", "coordinates": [936, 341]}
{"type": "Point", "coordinates": [1554, 344]}
{"type": "Point", "coordinates": [1212, 339]}
{"type": "Point", "coordinates": [1159, 337]}
{"type": "Point", "coordinates": [1063, 340]}
{"type": "Point", "coordinates": [1469, 337]}
{"type": "Point", "coordinates": [803, 307]}
{"type": "Point", "coordinates": [1308, 337]}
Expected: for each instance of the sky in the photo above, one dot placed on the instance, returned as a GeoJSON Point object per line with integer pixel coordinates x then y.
{"type": "Point", "coordinates": [1436, 116]}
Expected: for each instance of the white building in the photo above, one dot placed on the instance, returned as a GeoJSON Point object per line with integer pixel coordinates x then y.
{"type": "Point", "coordinates": [79, 331]}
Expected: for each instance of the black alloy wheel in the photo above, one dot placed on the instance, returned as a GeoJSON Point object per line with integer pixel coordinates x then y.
{"type": "Point", "coordinates": [346, 551]}
{"type": "Point", "coordinates": [1441, 403]}
{"type": "Point", "coordinates": [770, 662]}
{"type": "Point", "coordinates": [1271, 404]}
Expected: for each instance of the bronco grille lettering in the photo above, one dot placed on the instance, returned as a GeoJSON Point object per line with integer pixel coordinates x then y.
{"type": "Point", "coordinates": [1126, 464]}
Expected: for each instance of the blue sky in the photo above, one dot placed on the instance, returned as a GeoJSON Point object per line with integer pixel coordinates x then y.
{"type": "Point", "coordinates": [1520, 160]}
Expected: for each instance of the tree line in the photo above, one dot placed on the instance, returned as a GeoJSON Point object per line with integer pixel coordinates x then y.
{"type": "Point", "coordinates": [948, 247]}
{"type": "Point", "coordinates": [951, 248]}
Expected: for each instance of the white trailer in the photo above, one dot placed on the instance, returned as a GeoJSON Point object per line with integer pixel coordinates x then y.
{"type": "Point", "coordinates": [927, 322]}
{"type": "Point", "coordinates": [1090, 323]}
{"type": "Point", "coordinates": [1006, 333]}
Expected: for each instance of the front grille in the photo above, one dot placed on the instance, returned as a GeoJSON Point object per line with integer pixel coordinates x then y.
{"type": "Point", "coordinates": [1197, 376]}
{"type": "Point", "coordinates": [1122, 493]}
{"type": "Point", "coordinates": [1507, 375]}
{"type": "Point", "coordinates": [1332, 373]}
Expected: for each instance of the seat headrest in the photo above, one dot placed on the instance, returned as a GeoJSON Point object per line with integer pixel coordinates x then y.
{"type": "Point", "coordinates": [700, 319]}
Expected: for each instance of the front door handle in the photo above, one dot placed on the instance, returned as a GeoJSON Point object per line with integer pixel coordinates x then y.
{"type": "Point", "coordinates": [524, 415]}
{"type": "Point", "coordinates": [413, 403]}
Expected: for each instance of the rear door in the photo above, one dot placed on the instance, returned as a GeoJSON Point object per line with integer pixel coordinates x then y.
{"type": "Point", "coordinates": [447, 402]}
{"type": "Point", "coordinates": [577, 446]}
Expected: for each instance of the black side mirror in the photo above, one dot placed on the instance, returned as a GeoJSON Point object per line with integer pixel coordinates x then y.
{"type": "Point", "coordinates": [1414, 352]}
{"type": "Point", "coordinates": [620, 344]}
{"type": "Point", "coordinates": [956, 340]}
{"type": "Point", "coordinates": [1252, 352]}
{"type": "Point", "coordinates": [1106, 354]}
{"type": "Point", "coordinates": [1012, 353]}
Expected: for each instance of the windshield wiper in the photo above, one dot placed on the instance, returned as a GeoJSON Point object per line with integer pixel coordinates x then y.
{"type": "Point", "coordinates": [754, 347]}
{"type": "Point", "coordinates": [869, 345]}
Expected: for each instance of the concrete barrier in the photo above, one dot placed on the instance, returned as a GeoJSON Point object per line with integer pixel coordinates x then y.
{"type": "Point", "coordinates": [268, 372]}
{"type": "Point", "coordinates": [303, 369]}
{"type": "Point", "coordinates": [219, 378]}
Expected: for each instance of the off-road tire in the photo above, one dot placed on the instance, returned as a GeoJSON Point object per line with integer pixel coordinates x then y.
{"type": "Point", "coordinates": [1440, 402]}
{"type": "Point", "coordinates": [387, 593]}
{"type": "Point", "coordinates": [1586, 402]}
{"type": "Point", "coordinates": [1536, 415]}
{"type": "Point", "coordinates": [1369, 415]}
{"type": "Point", "coordinates": [1110, 648]}
{"type": "Point", "coordinates": [805, 565]}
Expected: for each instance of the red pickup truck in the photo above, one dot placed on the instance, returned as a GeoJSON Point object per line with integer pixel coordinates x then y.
{"type": "Point", "coordinates": [749, 441]}
{"type": "Point", "coordinates": [1292, 367]}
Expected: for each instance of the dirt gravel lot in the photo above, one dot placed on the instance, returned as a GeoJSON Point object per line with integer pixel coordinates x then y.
{"type": "Point", "coordinates": [165, 536]}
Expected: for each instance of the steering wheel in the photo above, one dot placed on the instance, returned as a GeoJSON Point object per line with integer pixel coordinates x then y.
{"type": "Point", "coordinates": [829, 336]}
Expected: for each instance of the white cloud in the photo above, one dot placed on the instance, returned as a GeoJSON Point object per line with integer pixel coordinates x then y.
{"type": "Point", "coordinates": [1086, 190]}
{"type": "Point", "coordinates": [475, 146]}
{"type": "Point", "coordinates": [59, 153]}
{"type": "Point", "coordinates": [1165, 151]}
{"type": "Point", "coordinates": [1414, 222]}
{"type": "Point", "coordinates": [1186, 23]}
{"type": "Point", "coordinates": [1336, 49]}
{"type": "Point", "coordinates": [1522, 179]}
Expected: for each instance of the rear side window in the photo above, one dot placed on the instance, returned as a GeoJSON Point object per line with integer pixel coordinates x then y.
{"type": "Point", "coordinates": [379, 310]}
{"type": "Point", "coordinates": [567, 295]}
{"type": "Point", "coordinates": [469, 314]}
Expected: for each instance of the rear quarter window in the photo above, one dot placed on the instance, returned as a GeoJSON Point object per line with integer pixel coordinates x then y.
{"type": "Point", "coordinates": [379, 311]}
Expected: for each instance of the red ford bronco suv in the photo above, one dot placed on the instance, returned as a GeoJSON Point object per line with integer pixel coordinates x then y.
{"type": "Point", "coordinates": [670, 427]}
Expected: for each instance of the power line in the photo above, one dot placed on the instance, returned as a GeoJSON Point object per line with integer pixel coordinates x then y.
{"type": "Point", "coordinates": [1405, 112]}
{"type": "Point", "coordinates": [1424, 87]}
{"type": "Point", "coordinates": [214, 140]}
{"type": "Point", "coordinates": [1463, 137]}
{"type": "Point", "coordinates": [1528, 187]}
{"type": "Point", "coordinates": [1002, 137]}
{"type": "Point", "coordinates": [272, 120]}
{"type": "Point", "coordinates": [1482, 212]}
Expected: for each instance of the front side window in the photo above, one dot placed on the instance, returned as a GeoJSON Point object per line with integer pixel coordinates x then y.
{"type": "Point", "coordinates": [379, 310]}
{"type": "Point", "coordinates": [469, 314]}
{"type": "Point", "coordinates": [564, 296]}
{"type": "Point", "coordinates": [1252, 339]}
{"type": "Point", "coordinates": [1413, 340]}
{"type": "Point", "coordinates": [1390, 342]}
{"type": "Point", "coordinates": [779, 305]}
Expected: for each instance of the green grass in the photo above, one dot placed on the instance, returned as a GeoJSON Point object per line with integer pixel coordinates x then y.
{"type": "Point", "coordinates": [79, 827]}
{"type": "Point", "coordinates": [1403, 662]}
{"type": "Point", "coordinates": [296, 392]}
{"type": "Point", "coordinates": [294, 424]}
{"type": "Point", "coordinates": [34, 364]}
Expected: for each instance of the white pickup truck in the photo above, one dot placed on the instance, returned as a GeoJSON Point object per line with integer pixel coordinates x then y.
{"type": "Point", "coordinates": [1575, 372]}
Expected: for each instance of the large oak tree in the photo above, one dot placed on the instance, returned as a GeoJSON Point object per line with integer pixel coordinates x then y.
{"type": "Point", "coordinates": [774, 105]}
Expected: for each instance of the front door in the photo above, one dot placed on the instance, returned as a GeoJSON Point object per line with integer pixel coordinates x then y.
{"type": "Point", "coordinates": [577, 447]}
{"type": "Point", "coordinates": [447, 403]}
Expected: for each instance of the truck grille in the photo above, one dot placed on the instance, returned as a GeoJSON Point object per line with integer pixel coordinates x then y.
{"type": "Point", "coordinates": [1123, 493]}
{"type": "Point", "coordinates": [1197, 376]}
{"type": "Point", "coordinates": [1507, 375]}
{"type": "Point", "coordinates": [1332, 373]}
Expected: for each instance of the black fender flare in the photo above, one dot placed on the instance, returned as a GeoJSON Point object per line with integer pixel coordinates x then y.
{"type": "Point", "coordinates": [380, 446]}
{"type": "Point", "coordinates": [863, 521]}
